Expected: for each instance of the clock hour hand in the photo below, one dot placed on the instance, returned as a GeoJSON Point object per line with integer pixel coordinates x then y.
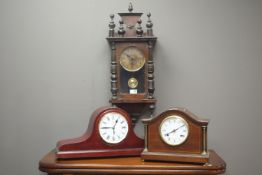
{"type": "Point", "coordinates": [174, 130]}
{"type": "Point", "coordinates": [129, 56]}
{"type": "Point", "coordinates": [132, 59]}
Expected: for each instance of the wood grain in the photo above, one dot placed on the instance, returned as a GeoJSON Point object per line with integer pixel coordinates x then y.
{"type": "Point", "coordinates": [128, 165]}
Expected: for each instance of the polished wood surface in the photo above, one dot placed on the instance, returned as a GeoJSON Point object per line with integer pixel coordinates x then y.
{"type": "Point", "coordinates": [128, 165]}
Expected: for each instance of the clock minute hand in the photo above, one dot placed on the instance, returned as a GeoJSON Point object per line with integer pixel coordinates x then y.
{"type": "Point", "coordinates": [174, 130]}
{"type": "Point", "coordinates": [106, 127]}
{"type": "Point", "coordinates": [129, 56]}
{"type": "Point", "coordinates": [114, 126]}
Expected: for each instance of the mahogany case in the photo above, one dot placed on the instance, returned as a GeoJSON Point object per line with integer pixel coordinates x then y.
{"type": "Point", "coordinates": [91, 145]}
{"type": "Point", "coordinates": [194, 149]}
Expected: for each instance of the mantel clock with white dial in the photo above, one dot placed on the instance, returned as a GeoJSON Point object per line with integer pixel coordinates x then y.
{"type": "Point", "coordinates": [110, 133]}
{"type": "Point", "coordinates": [176, 135]}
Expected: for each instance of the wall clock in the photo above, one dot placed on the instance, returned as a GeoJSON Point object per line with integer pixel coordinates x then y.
{"type": "Point", "coordinates": [109, 134]}
{"type": "Point", "coordinates": [176, 135]}
{"type": "Point", "coordinates": [132, 66]}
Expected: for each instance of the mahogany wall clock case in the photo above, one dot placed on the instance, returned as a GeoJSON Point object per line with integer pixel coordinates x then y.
{"type": "Point", "coordinates": [132, 65]}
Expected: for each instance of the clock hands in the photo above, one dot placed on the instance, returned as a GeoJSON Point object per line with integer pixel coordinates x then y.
{"type": "Point", "coordinates": [111, 127]}
{"type": "Point", "coordinates": [106, 127]}
{"type": "Point", "coordinates": [174, 130]}
{"type": "Point", "coordinates": [132, 59]}
{"type": "Point", "coordinates": [115, 123]}
{"type": "Point", "coordinates": [129, 56]}
{"type": "Point", "coordinates": [115, 126]}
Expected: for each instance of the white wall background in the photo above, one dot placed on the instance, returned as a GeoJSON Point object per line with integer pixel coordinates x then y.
{"type": "Point", "coordinates": [54, 72]}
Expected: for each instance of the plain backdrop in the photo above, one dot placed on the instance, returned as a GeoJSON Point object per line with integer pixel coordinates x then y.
{"type": "Point", "coordinates": [54, 72]}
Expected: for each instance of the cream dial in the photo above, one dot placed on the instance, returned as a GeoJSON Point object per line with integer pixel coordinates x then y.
{"type": "Point", "coordinates": [174, 130]}
{"type": "Point", "coordinates": [132, 59]}
{"type": "Point", "coordinates": [113, 128]}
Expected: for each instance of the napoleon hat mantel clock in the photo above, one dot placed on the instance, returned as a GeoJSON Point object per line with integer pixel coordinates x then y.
{"type": "Point", "coordinates": [109, 134]}
{"type": "Point", "coordinates": [110, 131]}
{"type": "Point", "coordinates": [132, 65]}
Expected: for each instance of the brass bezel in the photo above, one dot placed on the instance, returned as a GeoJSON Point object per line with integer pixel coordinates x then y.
{"type": "Point", "coordinates": [100, 133]}
{"type": "Point", "coordinates": [132, 83]}
{"type": "Point", "coordinates": [137, 68]}
{"type": "Point", "coordinates": [167, 118]}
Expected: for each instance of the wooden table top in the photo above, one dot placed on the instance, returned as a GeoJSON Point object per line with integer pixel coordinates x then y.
{"type": "Point", "coordinates": [128, 165]}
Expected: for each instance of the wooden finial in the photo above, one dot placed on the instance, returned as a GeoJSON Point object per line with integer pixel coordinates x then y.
{"type": "Point", "coordinates": [139, 30]}
{"type": "Point", "coordinates": [111, 26]}
{"type": "Point", "coordinates": [130, 7]}
{"type": "Point", "coordinates": [121, 30]}
{"type": "Point", "coordinates": [149, 25]}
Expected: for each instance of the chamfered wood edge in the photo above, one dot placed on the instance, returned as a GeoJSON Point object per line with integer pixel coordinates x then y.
{"type": "Point", "coordinates": [132, 39]}
{"type": "Point", "coordinates": [175, 157]}
{"type": "Point", "coordinates": [94, 153]}
{"type": "Point", "coordinates": [135, 171]}
{"type": "Point", "coordinates": [49, 164]}
{"type": "Point", "coordinates": [185, 111]}
{"type": "Point", "coordinates": [120, 100]}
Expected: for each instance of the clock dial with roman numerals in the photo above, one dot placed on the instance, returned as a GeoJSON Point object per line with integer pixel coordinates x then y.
{"type": "Point", "coordinates": [113, 127]}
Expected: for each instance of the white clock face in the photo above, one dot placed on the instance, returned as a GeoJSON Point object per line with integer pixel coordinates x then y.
{"type": "Point", "coordinates": [174, 130]}
{"type": "Point", "coordinates": [113, 127]}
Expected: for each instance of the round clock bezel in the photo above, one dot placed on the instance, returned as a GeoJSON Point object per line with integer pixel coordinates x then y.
{"type": "Point", "coordinates": [132, 83]}
{"type": "Point", "coordinates": [134, 69]}
{"type": "Point", "coordinates": [184, 121]}
{"type": "Point", "coordinates": [99, 131]}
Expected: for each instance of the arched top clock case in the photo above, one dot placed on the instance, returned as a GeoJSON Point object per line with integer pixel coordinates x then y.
{"type": "Point", "coordinates": [185, 137]}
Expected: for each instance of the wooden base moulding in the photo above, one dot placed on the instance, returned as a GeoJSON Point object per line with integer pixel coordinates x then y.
{"type": "Point", "coordinates": [175, 157]}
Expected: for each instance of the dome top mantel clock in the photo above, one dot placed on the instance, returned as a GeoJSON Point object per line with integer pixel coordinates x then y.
{"type": "Point", "coordinates": [132, 65]}
{"type": "Point", "coordinates": [176, 135]}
